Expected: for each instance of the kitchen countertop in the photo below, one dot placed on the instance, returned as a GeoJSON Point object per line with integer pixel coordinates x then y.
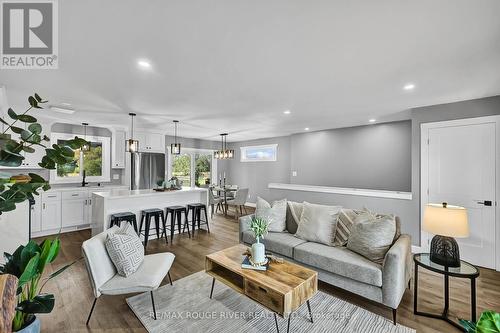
{"type": "Point", "coordinates": [57, 187]}
{"type": "Point", "coordinates": [116, 194]}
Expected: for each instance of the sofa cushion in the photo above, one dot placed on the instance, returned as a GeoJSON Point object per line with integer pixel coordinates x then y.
{"type": "Point", "coordinates": [339, 260]}
{"type": "Point", "coordinates": [318, 223]}
{"type": "Point", "coordinates": [274, 214]}
{"type": "Point", "coordinates": [372, 236]}
{"type": "Point", "coordinates": [276, 242]}
{"type": "Point", "coordinates": [148, 277]}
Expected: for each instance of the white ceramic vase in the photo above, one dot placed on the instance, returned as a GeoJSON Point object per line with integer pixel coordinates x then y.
{"type": "Point", "coordinates": [258, 252]}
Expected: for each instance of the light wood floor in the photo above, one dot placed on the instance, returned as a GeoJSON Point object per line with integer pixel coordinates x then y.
{"type": "Point", "coordinates": [74, 296]}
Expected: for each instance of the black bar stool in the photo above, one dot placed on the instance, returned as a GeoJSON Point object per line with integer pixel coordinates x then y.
{"type": "Point", "coordinates": [148, 214]}
{"type": "Point", "coordinates": [117, 218]}
{"type": "Point", "coordinates": [176, 212]}
{"type": "Point", "coordinates": [195, 209]}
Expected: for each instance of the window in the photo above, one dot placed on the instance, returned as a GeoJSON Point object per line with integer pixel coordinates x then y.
{"type": "Point", "coordinates": [95, 162]}
{"type": "Point", "coordinates": [194, 167]}
{"type": "Point", "coordinates": [267, 153]}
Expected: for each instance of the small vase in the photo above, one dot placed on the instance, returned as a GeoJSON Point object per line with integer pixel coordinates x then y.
{"type": "Point", "coordinates": [34, 327]}
{"type": "Point", "coordinates": [258, 252]}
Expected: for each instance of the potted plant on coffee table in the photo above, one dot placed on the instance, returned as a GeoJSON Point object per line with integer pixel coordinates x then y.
{"type": "Point", "coordinates": [259, 226]}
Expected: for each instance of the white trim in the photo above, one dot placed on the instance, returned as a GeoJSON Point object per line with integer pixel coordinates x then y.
{"type": "Point", "coordinates": [424, 173]}
{"type": "Point", "coordinates": [343, 190]}
{"type": "Point", "coordinates": [272, 159]}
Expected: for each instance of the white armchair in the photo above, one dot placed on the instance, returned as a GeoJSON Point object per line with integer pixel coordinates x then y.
{"type": "Point", "coordinates": [106, 281]}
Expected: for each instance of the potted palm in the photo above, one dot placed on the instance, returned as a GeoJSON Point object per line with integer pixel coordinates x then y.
{"type": "Point", "coordinates": [259, 226]}
{"type": "Point", "coordinates": [28, 264]}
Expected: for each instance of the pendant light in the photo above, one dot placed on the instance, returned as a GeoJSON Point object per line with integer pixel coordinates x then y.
{"type": "Point", "coordinates": [224, 153]}
{"type": "Point", "coordinates": [175, 148]}
{"type": "Point", "coordinates": [132, 145]}
{"type": "Point", "coordinates": [85, 147]}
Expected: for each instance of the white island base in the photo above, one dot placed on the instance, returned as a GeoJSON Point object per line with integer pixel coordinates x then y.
{"type": "Point", "coordinates": [119, 201]}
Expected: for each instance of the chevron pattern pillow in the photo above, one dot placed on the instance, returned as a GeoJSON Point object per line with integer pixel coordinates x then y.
{"type": "Point", "coordinates": [125, 250]}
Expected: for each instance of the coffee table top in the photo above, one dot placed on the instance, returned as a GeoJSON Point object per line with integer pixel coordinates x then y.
{"type": "Point", "coordinates": [281, 277]}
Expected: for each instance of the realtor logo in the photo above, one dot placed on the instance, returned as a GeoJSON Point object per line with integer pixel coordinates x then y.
{"type": "Point", "coordinates": [29, 34]}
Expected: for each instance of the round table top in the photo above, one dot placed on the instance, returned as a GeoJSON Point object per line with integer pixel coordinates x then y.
{"type": "Point", "coordinates": [464, 270]}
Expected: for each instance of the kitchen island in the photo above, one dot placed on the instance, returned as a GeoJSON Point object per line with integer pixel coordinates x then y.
{"type": "Point", "coordinates": [119, 201]}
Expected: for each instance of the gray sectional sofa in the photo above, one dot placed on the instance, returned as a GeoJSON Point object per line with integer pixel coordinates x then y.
{"type": "Point", "coordinates": [341, 267]}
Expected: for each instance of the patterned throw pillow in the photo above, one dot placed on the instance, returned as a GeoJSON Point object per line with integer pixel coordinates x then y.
{"type": "Point", "coordinates": [345, 221]}
{"type": "Point", "coordinates": [125, 250]}
{"type": "Point", "coordinates": [274, 214]}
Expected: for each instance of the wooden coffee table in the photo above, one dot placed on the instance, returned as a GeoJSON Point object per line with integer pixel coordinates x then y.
{"type": "Point", "coordinates": [282, 289]}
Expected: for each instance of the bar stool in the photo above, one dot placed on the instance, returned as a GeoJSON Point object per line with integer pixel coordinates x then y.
{"type": "Point", "coordinates": [176, 212]}
{"type": "Point", "coordinates": [148, 214]}
{"type": "Point", "coordinates": [196, 209]}
{"type": "Point", "coordinates": [117, 218]}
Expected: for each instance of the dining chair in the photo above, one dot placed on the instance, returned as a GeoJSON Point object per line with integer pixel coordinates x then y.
{"type": "Point", "coordinates": [240, 198]}
{"type": "Point", "coordinates": [212, 201]}
{"type": "Point", "coordinates": [105, 280]}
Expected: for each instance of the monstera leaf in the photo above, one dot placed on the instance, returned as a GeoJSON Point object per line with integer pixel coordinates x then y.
{"type": "Point", "coordinates": [489, 322]}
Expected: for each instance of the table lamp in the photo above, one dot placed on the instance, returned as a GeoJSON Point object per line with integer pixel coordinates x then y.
{"type": "Point", "coordinates": [445, 222]}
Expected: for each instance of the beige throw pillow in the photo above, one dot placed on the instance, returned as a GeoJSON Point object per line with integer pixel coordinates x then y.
{"type": "Point", "coordinates": [372, 236]}
{"type": "Point", "coordinates": [274, 214]}
{"type": "Point", "coordinates": [318, 223]}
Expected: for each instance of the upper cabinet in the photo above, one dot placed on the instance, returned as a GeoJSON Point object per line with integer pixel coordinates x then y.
{"type": "Point", "coordinates": [118, 150]}
{"type": "Point", "coordinates": [150, 142]}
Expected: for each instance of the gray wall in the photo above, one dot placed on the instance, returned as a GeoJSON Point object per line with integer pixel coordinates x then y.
{"type": "Point", "coordinates": [372, 157]}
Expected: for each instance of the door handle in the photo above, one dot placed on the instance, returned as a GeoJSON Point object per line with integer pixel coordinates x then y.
{"type": "Point", "coordinates": [485, 202]}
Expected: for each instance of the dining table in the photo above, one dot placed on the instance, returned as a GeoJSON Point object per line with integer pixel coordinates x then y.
{"type": "Point", "coordinates": [222, 191]}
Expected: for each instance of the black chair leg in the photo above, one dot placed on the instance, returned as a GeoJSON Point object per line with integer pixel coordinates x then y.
{"type": "Point", "coordinates": [186, 223]}
{"type": "Point", "coordinates": [140, 226]}
{"type": "Point", "coordinates": [91, 310]}
{"type": "Point", "coordinates": [170, 278]}
{"type": "Point", "coordinates": [172, 226]}
{"type": "Point", "coordinates": [193, 220]}
{"type": "Point", "coordinates": [157, 225]}
{"type": "Point", "coordinates": [198, 217]}
{"type": "Point", "coordinates": [394, 312]}
{"type": "Point", "coordinates": [153, 301]}
{"type": "Point", "coordinates": [146, 233]}
{"type": "Point", "coordinates": [206, 219]}
{"type": "Point", "coordinates": [134, 223]}
{"type": "Point", "coordinates": [179, 221]}
{"type": "Point", "coordinates": [164, 219]}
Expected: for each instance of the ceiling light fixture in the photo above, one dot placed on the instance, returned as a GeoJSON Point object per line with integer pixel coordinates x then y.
{"type": "Point", "coordinates": [409, 86]}
{"type": "Point", "coordinates": [175, 148]}
{"type": "Point", "coordinates": [372, 120]}
{"type": "Point", "coordinates": [132, 145]}
{"type": "Point", "coordinates": [287, 112]}
{"type": "Point", "coordinates": [224, 153]}
{"type": "Point", "coordinates": [85, 147]}
{"type": "Point", "coordinates": [144, 64]}
{"type": "Point", "coordinates": [306, 129]}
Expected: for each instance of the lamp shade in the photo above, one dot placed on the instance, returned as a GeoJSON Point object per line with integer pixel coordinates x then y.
{"type": "Point", "coordinates": [446, 220]}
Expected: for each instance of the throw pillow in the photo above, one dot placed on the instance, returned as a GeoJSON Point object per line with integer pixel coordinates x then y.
{"type": "Point", "coordinates": [318, 223]}
{"type": "Point", "coordinates": [372, 236]}
{"type": "Point", "coordinates": [125, 249]}
{"type": "Point", "coordinates": [293, 216]}
{"type": "Point", "coordinates": [345, 222]}
{"type": "Point", "coordinates": [274, 214]}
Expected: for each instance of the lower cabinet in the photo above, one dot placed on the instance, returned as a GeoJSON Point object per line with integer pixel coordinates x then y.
{"type": "Point", "coordinates": [51, 211]}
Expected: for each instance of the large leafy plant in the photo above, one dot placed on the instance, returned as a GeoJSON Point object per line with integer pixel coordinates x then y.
{"type": "Point", "coordinates": [16, 139]}
{"type": "Point", "coordinates": [28, 263]}
{"type": "Point", "coordinates": [489, 322]}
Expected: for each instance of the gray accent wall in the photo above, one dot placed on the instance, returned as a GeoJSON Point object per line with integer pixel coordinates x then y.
{"type": "Point", "coordinates": [370, 157]}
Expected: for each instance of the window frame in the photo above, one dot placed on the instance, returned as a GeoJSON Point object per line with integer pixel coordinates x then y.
{"type": "Point", "coordinates": [192, 152]}
{"type": "Point", "coordinates": [106, 160]}
{"type": "Point", "coordinates": [243, 156]}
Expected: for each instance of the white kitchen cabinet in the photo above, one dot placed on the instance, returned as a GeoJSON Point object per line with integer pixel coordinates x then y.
{"type": "Point", "coordinates": [74, 208]}
{"type": "Point", "coordinates": [51, 211]}
{"type": "Point", "coordinates": [36, 218]}
{"type": "Point", "coordinates": [150, 142]}
{"type": "Point", "coordinates": [118, 150]}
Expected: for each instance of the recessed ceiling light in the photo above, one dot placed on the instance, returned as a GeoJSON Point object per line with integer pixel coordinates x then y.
{"type": "Point", "coordinates": [409, 86]}
{"type": "Point", "coordinates": [372, 120]}
{"type": "Point", "coordinates": [144, 64]}
{"type": "Point", "coordinates": [287, 112]}
{"type": "Point", "coordinates": [306, 129]}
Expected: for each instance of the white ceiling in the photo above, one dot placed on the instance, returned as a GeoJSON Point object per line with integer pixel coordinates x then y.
{"type": "Point", "coordinates": [234, 66]}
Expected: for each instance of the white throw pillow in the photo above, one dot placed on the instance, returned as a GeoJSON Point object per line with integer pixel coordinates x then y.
{"type": "Point", "coordinates": [274, 214]}
{"type": "Point", "coordinates": [318, 223]}
{"type": "Point", "coordinates": [125, 249]}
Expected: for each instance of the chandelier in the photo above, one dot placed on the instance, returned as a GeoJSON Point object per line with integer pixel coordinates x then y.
{"type": "Point", "coordinates": [224, 153]}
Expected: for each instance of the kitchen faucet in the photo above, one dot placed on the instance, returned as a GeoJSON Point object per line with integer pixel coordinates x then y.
{"type": "Point", "coordinates": [84, 183]}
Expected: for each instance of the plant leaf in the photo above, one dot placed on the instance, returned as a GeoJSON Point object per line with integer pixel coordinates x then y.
{"type": "Point", "coordinates": [17, 130]}
{"type": "Point", "coordinates": [30, 271]}
{"type": "Point", "coordinates": [38, 98]}
{"type": "Point", "coordinates": [12, 114]}
{"type": "Point", "coordinates": [26, 118]}
{"type": "Point", "coordinates": [35, 128]}
{"type": "Point", "coordinates": [43, 303]}
{"type": "Point", "coordinates": [489, 322]}
{"type": "Point", "coordinates": [3, 121]}
{"type": "Point", "coordinates": [468, 325]}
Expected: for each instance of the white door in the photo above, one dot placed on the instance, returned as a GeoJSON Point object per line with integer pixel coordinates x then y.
{"type": "Point", "coordinates": [461, 171]}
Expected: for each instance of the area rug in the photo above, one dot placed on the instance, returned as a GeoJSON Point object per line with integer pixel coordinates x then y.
{"type": "Point", "coordinates": [187, 307]}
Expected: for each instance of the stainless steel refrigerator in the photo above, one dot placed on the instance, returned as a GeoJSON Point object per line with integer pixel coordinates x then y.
{"type": "Point", "coordinates": [147, 169]}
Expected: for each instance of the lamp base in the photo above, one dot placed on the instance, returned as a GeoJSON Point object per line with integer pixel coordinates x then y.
{"type": "Point", "coordinates": [444, 251]}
